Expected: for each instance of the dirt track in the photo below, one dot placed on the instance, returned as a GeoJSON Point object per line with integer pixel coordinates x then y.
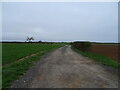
{"type": "Point", "coordinates": [64, 68]}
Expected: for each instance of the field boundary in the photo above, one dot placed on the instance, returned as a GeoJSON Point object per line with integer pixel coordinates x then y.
{"type": "Point", "coordinates": [23, 58]}
{"type": "Point", "coordinates": [99, 58]}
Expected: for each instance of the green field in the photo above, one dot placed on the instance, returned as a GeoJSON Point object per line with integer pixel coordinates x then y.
{"type": "Point", "coordinates": [13, 52]}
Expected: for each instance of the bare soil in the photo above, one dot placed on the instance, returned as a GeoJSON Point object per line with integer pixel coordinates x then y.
{"type": "Point", "coordinates": [64, 68]}
{"type": "Point", "coordinates": [111, 51]}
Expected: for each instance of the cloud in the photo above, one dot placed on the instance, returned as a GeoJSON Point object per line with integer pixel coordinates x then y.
{"type": "Point", "coordinates": [60, 21]}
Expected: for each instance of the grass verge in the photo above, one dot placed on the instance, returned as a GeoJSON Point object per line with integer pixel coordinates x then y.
{"type": "Point", "coordinates": [100, 58]}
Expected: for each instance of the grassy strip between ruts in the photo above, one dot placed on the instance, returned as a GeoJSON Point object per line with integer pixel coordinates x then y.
{"type": "Point", "coordinates": [98, 57]}
{"type": "Point", "coordinates": [13, 71]}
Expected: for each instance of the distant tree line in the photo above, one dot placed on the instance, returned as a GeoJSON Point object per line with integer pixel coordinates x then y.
{"type": "Point", "coordinates": [30, 40]}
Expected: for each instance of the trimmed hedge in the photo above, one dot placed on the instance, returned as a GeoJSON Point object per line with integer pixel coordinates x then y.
{"type": "Point", "coordinates": [83, 46]}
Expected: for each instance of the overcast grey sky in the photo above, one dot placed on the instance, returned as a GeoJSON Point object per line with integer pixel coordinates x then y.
{"type": "Point", "coordinates": [60, 21]}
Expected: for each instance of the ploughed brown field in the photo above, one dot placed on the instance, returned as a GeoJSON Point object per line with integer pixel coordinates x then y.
{"type": "Point", "coordinates": [107, 50]}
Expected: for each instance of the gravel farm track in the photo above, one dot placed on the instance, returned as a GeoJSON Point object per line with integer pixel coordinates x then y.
{"type": "Point", "coordinates": [64, 68]}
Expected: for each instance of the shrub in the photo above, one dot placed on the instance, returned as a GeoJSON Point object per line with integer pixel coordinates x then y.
{"type": "Point", "coordinates": [83, 46]}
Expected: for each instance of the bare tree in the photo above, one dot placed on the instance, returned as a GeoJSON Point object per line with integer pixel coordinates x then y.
{"type": "Point", "coordinates": [29, 39]}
